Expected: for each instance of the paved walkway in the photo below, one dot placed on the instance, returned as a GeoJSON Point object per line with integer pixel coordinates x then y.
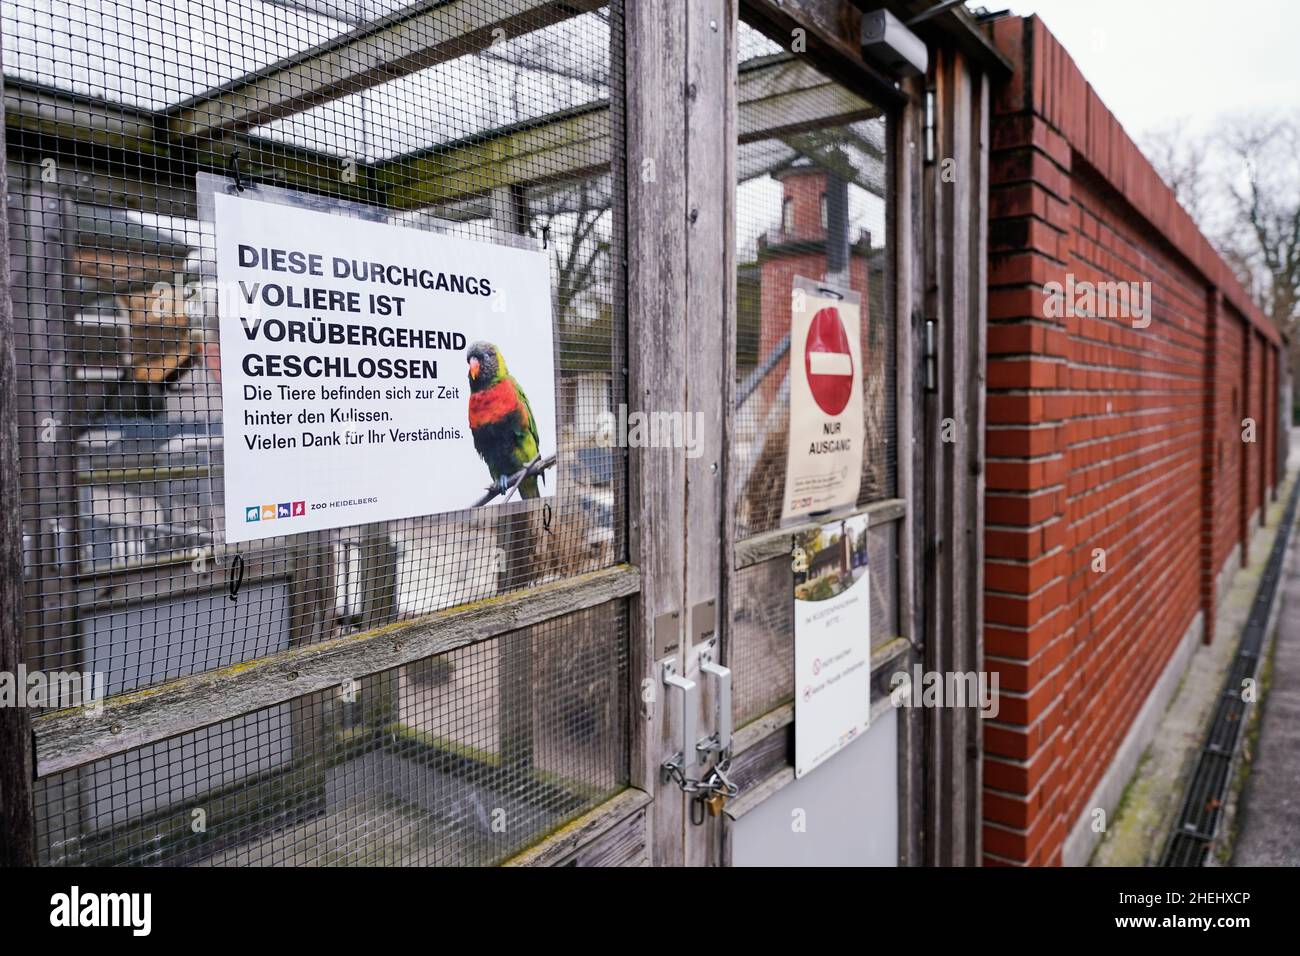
{"type": "Point", "coordinates": [1269, 833]}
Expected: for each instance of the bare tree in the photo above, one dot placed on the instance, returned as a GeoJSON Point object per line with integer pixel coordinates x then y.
{"type": "Point", "coordinates": [1262, 239]}
{"type": "Point", "coordinates": [1241, 185]}
{"type": "Point", "coordinates": [1181, 159]}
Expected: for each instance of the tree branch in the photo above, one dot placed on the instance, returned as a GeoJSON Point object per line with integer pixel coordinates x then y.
{"type": "Point", "coordinates": [536, 467]}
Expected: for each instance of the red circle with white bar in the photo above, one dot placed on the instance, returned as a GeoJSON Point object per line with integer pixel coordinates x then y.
{"type": "Point", "coordinates": [828, 362]}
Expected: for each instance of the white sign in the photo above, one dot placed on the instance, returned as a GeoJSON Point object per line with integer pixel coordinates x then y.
{"type": "Point", "coordinates": [371, 371]}
{"type": "Point", "coordinates": [824, 461]}
{"type": "Point", "coordinates": [832, 641]}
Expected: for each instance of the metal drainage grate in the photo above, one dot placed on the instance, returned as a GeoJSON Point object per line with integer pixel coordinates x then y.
{"type": "Point", "coordinates": [1203, 804]}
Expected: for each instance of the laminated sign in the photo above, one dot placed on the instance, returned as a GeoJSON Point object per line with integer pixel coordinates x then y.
{"type": "Point", "coordinates": [372, 371]}
{"type": "Point", "coordinates": [832, 641]}
{"type": "Point", "coordinates": [824, 460]}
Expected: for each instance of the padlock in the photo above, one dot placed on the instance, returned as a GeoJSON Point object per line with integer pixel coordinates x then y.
{"type": "Point", "coordinates": [715, 802]}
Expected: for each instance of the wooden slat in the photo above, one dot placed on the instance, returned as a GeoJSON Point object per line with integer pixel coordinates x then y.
{"type": "Point", "coordinates": [780, 541]}
{"type": "Point", "coordinates": [564, 147]}
{"type": "Point", "coordinates": [67, 116]}
{"type": "Point", "coordinates": [586, 841]}
{"type": "Point", "coordinates": [414, 39]}
{"type": "Point", "coordinates": [955, 528]}
{"type": "Point", "coordinates": [832, 31]}
{"type": "Point", "coordinates": [913, 559]}
{"type": "Point", "coordinates": [69, 738]}
{"type": "Point", "coordinates": [778, 98]}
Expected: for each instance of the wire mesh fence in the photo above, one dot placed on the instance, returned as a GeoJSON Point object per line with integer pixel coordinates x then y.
{"type": "Point", "coordinates": [487, 120]}
{"type": "Point", "coordinates": [458, 759]}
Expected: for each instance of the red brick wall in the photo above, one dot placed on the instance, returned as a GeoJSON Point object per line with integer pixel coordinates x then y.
{"type": "Point", "coordinates": [1104, 439]}
{"type": "Point", "coordinates": [1227, 453]}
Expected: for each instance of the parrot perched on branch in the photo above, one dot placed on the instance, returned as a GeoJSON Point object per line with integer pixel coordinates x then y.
{"type": "Point", "coordinates": [500, 418]}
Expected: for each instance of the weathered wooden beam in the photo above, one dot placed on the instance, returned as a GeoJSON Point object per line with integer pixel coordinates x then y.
{"type": "Point", "coordinates": [657, 227]}
{"type": "Point", "coordinates": [70, 738]}
{"type": "Point", "coordinates": [416, 38]}
{"type": "Point", "coordinates": [789, 88]}
{"type": "Point", "coordinates": [66, 116]}
{"type": "Point", "coordinates": [904, 224]}
{"type": "Point", "coordinates": [779, 541]}
{"type": "Point", "coordinates": [831, 33]}
{"type": "Point", "coordinates": [568, 146]}
{"type": "Point", "coordinates": [17, 843]}
{"type": "Point", "coordinates": [570, 844]}
{"type": "Point", "coordinates": [779, 97]}
{"type": "Point", "coordinates": [711, 148]}
{"type": "Point", "coordinates": [120, 159]}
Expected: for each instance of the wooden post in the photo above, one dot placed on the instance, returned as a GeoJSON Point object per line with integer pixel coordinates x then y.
{"type": "Point", "coordinates": [953, 465]}
{"type": "Point", "coordinates": [17, 829]}
{"type": "Point", "coordinates": [379, 704]}
{"type": "Point", "coordinates": [710, 329]}
{"type": "Point", "coordinates": [657, 224]}
{"type": "Point", "coordinates": [905, 229]}
{"type": "Point", "coordinates": [516, 542]}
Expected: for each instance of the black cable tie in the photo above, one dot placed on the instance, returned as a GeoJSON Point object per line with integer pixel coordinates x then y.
{"type": "Point", "coordinates": [546, 518]}
{"type": "Point", "coordinates": [234, 171]}
{"type": "Point", "coordinates": [236, 578]}
{"type": "Point", "coordinates": [697, 819]}
{"type": "Point", "coordinates": [546, 236]}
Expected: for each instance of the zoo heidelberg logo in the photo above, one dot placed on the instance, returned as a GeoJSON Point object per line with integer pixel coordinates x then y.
{"type": "Point", "coordinates": [285, 509]}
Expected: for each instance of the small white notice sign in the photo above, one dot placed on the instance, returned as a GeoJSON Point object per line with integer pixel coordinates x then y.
{"type": "Point", "coordinates": [832, 641]}
{"type": "Point", "coordinates": [372, 371]}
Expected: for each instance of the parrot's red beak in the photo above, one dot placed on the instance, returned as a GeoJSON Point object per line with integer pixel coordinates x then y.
{"type": "Point", "coordinates": [473, 369]}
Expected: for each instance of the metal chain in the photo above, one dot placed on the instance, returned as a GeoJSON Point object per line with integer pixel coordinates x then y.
{"type": "Point", "coordinates": [716, 782]}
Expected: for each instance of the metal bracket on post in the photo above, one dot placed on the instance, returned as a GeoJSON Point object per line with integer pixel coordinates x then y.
{"type": "Point", "coordinates": [678, 766]}
{"type": "Point", "coordinates": [720, 741]}
{"type": "Point", "coordinates": [930, 354]}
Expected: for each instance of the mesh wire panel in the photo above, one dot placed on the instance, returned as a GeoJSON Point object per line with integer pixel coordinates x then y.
{"type": "Point", "coordinates": [459, 759]}
{"type": "Point", "coordinates": [487, 119]}
{"type": "Point", "coordinates": [762, 629]}
{"type": "Point", "coordinates": [811, 201]}
{"type": "Point", "coordinates": [483, 119]}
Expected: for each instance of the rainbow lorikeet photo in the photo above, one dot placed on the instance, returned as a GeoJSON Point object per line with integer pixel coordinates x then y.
{"type": "Point", "coordinates": [500, 418]}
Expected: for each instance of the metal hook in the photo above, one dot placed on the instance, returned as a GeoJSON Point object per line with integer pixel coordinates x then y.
{"type": "Point", "coordinates": [234, 170]}
{"type": "Point", "coordinates": [236, 578]}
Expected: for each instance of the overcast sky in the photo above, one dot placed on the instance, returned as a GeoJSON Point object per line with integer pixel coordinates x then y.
{"type": "Point", "coordinates": [1158, 61]}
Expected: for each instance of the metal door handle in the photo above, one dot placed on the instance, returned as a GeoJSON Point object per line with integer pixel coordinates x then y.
{"type": "Point", "coordinates": [722, 702]}
{"type": "Point", "coordinates": [689, 691]}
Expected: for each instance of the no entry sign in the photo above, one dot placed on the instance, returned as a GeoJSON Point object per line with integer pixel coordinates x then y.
{"type": "Point", "coordinates": [828, 361]}
{"type": "Point", "coordinates": [824, 461]}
